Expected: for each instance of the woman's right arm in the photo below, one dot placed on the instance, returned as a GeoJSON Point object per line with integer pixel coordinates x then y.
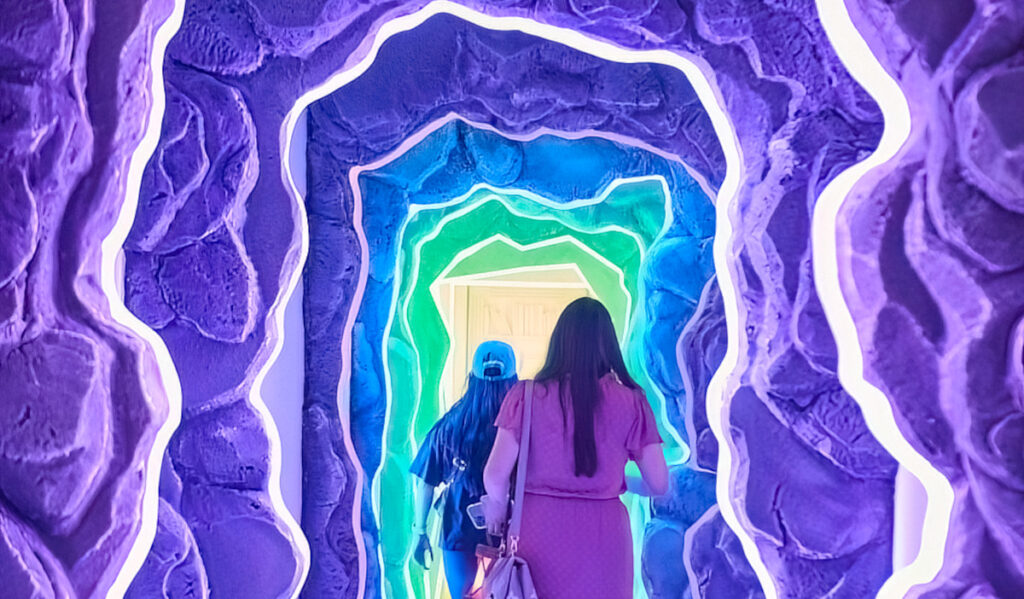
{"type": "Point", "coordinates": [497, 472]}
{"type": "Point", "coordinates": [653, 479]}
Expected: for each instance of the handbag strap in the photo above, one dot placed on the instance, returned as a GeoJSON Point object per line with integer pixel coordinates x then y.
{"type": "Point", "coordinates": [524, 455]}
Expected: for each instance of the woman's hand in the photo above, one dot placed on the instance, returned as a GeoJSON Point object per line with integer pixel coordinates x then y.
{"type": "Point", "coordinates": [423, 548]}
{"type": "Point", "coordinates": [495, 513]}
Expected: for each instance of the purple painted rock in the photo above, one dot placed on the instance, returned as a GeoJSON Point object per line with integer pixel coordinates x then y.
{"type": "Point", "coordinates": [717, 561]}
{"type": "Point", "coordinates": [662, 557]}
{"type": "Point", "coordinates": [990, 132]}
{"type": "Point", "coordinates": [27, 569]}
{"type": "Point", "coordinates": [54, 428]}
{"type": "Point", "coordinates": [245, 550]}
{"type": "Point", "coordinates": [699, 352]}
{"type": "Point", "coordinates": [225, 447]}
{"type": "Point", "coordinates": [204, 169]}
{"type": "Point", "coordinates": [932, 255]}
{"type": "Point", "coordinates": [18, 223]}
{"type": "Point", "coordinates": [218, 36]}
{"type": "Point", "coordinates": [173, 569]}
{"type": "Point", "coordinates": [142, 290]}
{"type": "Point", "coordinates": [211, 284]}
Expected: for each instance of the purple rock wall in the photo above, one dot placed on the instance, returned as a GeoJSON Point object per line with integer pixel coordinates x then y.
{"type": "Point", "coordinates": [205, 259]}
{"type": "Point", "coordinates": [934, 270]}
{"type": "Point", "coordinates": [80, 400]}
{"type": "Point", "coordinates": [934, 265]}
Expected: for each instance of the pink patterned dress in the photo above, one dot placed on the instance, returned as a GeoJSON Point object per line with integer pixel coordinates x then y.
{"type": "Point", "coordinates": [575, 534]}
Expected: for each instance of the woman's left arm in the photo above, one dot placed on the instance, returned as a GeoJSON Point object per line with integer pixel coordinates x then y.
{"type": "Point", "coordinates": [423, 497]}
{"type": "Point", "coordinates": [497, 473]}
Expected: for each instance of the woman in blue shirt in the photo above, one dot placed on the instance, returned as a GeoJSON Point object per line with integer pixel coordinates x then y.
{"type": "Point", "coordinates": [454, 453]}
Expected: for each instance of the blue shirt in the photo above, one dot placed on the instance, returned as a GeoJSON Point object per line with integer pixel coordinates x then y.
{"type": "Point", "coordinates": [437, 464]}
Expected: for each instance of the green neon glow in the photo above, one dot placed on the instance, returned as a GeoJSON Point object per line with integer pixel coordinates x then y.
{"type": "Point", "coordinates": [433, 245]}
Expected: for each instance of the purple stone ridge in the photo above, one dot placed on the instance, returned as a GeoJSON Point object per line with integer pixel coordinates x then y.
{"type": "Point", "coordinates": [932, 265]}
{"type": "Point", "coordinates": [80, 399]}
{"type": "Point", "coordinates": [931, 252]}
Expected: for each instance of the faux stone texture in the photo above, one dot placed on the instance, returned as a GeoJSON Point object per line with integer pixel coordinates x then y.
{"type": "Point", "coordinates": [80, 401]}
{"type": "Point", "coordinates": [700, 350]}
{"type": "Point", "coordinates": [776, 284]}
{"type": "Point", "coordinates": [715, 557]}
{"type": "Point", "coordinates": [783, 88]}
{"type": "Point", "coordinates": [931, 255]}
{"type": "Point", "coordinates": [192, 274]}
{"type": "Point", "coordinates": [444, 166]}
{"type": "Point", "coordinates": [55, 444]}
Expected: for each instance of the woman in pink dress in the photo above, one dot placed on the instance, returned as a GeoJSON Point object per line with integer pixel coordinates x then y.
{"type": "Point", "coordinates": [589, 419]}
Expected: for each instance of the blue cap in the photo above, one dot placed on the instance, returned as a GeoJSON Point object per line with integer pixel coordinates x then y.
{"type": "Point", "coordinates": [494, 360]}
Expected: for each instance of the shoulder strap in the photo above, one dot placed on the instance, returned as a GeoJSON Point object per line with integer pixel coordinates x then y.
{"type": "Point", "coordinates": [524, 455]}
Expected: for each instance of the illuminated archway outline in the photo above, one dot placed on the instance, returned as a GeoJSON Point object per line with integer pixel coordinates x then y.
{"type": "Point", "coordinates": [474, 199]}
{"type": "Point", "coordinates": [694, 179]}
{"type": "Point", "coordinates": [713, 104]}
{"type": "Point", "coordinates": [851, 48]}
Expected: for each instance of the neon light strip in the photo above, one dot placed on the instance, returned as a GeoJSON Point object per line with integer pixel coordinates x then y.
{"type": "Point", "coordinates": [488, 278]}
{"type": "Point", "coordinates": [404, 310]}
{"type": "Point", "coordinates": [862, 64]}
{"type": "Point", "coordinates": [414, 209]}
{"type": "Point", "coordinates": [465, 253]}
{"type": "Point", "coordinates": [564, 239]}
{"type": "Point", "coordinates": [110, 277]}
{"type": "Point", "coordinates": [713, 103]}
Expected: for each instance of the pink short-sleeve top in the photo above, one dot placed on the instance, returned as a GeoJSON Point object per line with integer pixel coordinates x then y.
{"type": "Point", "coordinates": [623, 425]}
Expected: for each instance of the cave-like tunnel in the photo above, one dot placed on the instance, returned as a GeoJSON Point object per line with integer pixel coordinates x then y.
{"type": "Point", "coordinates": [247, 249]}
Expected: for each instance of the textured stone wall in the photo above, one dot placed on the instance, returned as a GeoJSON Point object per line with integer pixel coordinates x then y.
{"type": "Point", "coordinates": [790, 402]}
{"type": "Point", "coordinates": [930, 259]}
{"type": "Point", "coordinates": [443, 67]}
{"type": "Point", "coordinates": [80, 400]}
{"type": "Point", "coordinates": [934, 265]}
{"type": "Point", "coordinates": [443, 166]}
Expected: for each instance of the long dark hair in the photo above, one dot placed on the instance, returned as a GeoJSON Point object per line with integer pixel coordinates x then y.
{"type": "Point", "coordinates": [467, 431]}
{"type": "Point", "coordinates": [583, 348]}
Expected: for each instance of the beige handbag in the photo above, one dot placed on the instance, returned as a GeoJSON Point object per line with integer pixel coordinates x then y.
{"type": "Point", "coordinates": [508, 576]}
